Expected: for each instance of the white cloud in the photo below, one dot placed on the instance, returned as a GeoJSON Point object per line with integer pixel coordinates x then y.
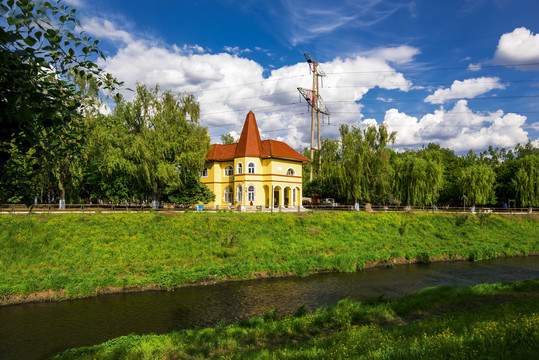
{"type": "Point", "coordinates": [518, 47]}
{"type": "Point", "coordinates": [236, 50]}
{"type": "Point", "coordinates": [105, 29]}
{"type": "Point", "coordinates": [474, 67]}
{"type": "Point", "coordinates": [467, 89]}
{"type": "Point", "coordinates": [460, 128]}
{"type": "Point", "coordinates": [75, 3]}
{"type": "Point", "coordinates": [398, 55]}
{"type": "Point", "coordinates": [228, 86]}
{"type": "Point", "coordinates": [300, 21]}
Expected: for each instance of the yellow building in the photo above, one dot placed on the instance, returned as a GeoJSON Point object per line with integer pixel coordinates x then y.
{"type": "Point", "coordinates": [253, 172]}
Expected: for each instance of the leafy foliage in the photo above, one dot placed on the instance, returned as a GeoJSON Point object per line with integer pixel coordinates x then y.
{"type": "Point", "coordinates": [153, 145]}
{"type": "Point", "coordinates": [477, 183]}
{"type": "Point", "coordinates": [39, 105]}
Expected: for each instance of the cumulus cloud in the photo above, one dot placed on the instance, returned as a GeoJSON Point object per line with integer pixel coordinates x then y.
{"type": "Point", "coordinates": [460, 128]}
{"type": "Point", "coordinates": [518, 47]}
{"type": "Point", "coordinates": [227, 85]}
{"type": "Point", "coordinates": [467, 89]}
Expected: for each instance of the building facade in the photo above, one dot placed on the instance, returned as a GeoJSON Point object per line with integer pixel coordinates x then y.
{"type": "Point", "coordinates": [253, 172]}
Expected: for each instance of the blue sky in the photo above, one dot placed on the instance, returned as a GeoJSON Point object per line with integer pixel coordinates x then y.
{"type": "Point", "coordinates": [463, 73]}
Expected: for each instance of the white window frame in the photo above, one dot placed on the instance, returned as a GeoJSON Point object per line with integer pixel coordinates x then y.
{"type": "Point", "coordinates": [239, 194]}
{"type": "Point", "coordinates": [231, 171]}
{"type": "Point", "coordinates": [204, 173]}
{"type": "Point", "coordinates": [253, 167]}
{"type": "Point", "coordinates": [292, 171]}
{"type": "Point", "coordinates": [230, 198]}
{"type": "Point", "coordinates": [239, 168]}
{"type": "Point", "coordinates": [251, 195]}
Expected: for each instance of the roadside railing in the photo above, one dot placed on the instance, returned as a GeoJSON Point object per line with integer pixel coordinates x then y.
{"type": "Point", "coordinates": [116, 208]}
{"type": "Point", "coordinates": [422, 209]}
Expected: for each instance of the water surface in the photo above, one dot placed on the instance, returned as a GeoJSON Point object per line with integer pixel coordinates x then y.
{"type": "Point", "coordinates": [35, 331]}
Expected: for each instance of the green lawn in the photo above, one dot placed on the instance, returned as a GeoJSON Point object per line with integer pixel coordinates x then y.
{"type": "Point", "coordinates": [75, 255]}
{"type": "Point", "coordinates": [498, 321]}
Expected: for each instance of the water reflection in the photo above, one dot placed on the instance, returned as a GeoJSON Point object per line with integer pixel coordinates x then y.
{"type": "Point", "coordinates": [33, 331]}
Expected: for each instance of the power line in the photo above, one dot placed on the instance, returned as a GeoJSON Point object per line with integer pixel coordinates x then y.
{"type": "Point", "coordinates": [423, 100]}
{"type": "Point", "coordinates": [431, 69]}
{"type": "Point", "coordinates": [251, 108]}
{"type": "Point", "coordinates": [252, 83]}
{"type": "Point", "coordinates": [368, 85]}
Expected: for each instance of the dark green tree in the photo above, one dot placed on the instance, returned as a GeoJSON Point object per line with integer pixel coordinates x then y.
{"type": "Point", "coordinates": [526, 180]}
{"type": "Point", "coordinates": [227, 139]}
{"type": "Point", "coordinates": [39, 106]}
{"type": "Point", "coordinates": [477, 183]}
{"type": "Point", "coordinates": [153, 142]}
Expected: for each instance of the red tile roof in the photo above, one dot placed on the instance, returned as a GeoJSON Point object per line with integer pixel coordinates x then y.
{"type": "Point", "coordinates": [251, 145]}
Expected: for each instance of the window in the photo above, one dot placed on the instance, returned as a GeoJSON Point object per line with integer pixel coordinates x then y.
{"type": "Point", "coordinates": [239, 169]}
{"type": "Point", "coordinates": [204, 172]}
{"type": "Point", "coordinates": [251, 193]}
{"type": "Point", "coordinates": [290, 172]}
{"type": "Point", "coordinates": [251, 168]}
{"type": "Point", "coordinates": [229, 170]}
{"type": "Point", "coordinates": [239, 194]}
{"type": "Point", "coordinates": [228, 196]}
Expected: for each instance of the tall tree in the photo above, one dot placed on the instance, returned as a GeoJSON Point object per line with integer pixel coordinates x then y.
{"type": "Point", "coordinates": [417, 180]}
{"type": "Point", "coordinates": [526, 180]}
{"type": "Point", "coordinates": [364, 169]}
{"type": "Point", "coordinates": [156, 141]}
{"type": "Point", "coordinates": [39, 106]}
{"type": "Point", "coordinates": [477, 184]}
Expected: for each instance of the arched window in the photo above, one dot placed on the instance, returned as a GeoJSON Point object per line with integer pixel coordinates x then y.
{"type": "Point", "coordinates": [251, 168]}
{"type": "Point", "coordinates": [290, 172]}
{"type": "Point", "coordinates": [239, 169]}
{"type": "Point", "coordinates": [204, 172]}
{"type": "Point", "coordinates": [239, 194]}
{"type": "Point", "coordinates": [251, 193]}
{"type": "Point", "coordinates": [228, 196]}
{"type": "Point", "coordinates": [229, 170]}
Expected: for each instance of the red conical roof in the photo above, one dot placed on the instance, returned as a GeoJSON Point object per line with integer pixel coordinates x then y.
{"type": "Point", "coordinates": [249, 143]}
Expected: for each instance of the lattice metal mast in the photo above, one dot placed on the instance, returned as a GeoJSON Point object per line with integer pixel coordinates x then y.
{"type": "Point", "coordinates": [314, 99]}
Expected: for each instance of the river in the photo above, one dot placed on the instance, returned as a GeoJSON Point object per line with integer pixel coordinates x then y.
{"type": "Point", "coordinates": [39, 330]}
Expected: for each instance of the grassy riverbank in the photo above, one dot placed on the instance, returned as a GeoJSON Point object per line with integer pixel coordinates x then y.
{"type": "Point", "coordinates": [497, 321]}
{"type": "Point", "coordinates": [73, 255]}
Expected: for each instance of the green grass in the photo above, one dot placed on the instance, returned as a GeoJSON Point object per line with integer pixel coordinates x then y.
{"type": "Point", "coordinates": [496, 321]}
{"type": "Point", "coordinates": [75, 255]}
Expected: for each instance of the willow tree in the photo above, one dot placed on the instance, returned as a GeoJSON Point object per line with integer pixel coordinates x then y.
{"type": "Point", "coordinates": [155, 140]}
{"type": "Point", "coordinates": [526, 180]}
{"type": "Point", "coordinates": [364, 171]}
{"type": "Point", "coordinates": [477, 183]}
{"type": "Point", "coordinates": [353, 170]}
{"type": "Point", "coordinates": [417, 181]}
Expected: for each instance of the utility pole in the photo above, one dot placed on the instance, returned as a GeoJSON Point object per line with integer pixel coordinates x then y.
{"type": "Point", "coordinates": [314, 99]}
